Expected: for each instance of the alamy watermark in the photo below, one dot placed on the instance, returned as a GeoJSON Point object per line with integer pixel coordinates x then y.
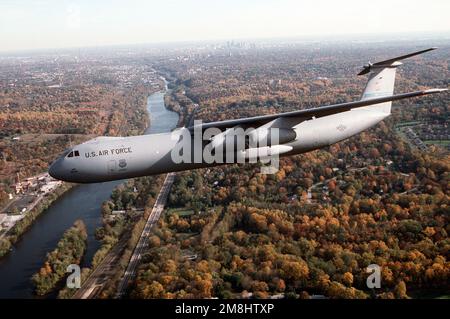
{"type": "Point", "coordinates": [233, 145]}
{"type": "Point", "coordinates": [73, 281]}
{"type": "Point", "coordinates": [374, 279]}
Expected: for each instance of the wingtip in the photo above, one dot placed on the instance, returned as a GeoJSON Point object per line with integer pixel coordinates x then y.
{"type": "Point", "coordinates": [437, 90]}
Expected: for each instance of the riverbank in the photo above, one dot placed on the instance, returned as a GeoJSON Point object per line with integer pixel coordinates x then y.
{"type": "Point", "coordinates": [23, 225]}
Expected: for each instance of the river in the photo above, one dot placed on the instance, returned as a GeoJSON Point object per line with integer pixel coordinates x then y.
{"type": "Point", "coordinates": [81, 202]}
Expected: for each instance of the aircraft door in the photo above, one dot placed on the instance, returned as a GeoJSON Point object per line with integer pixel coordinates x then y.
{"type": "Point", "coordinates": [112, 167]}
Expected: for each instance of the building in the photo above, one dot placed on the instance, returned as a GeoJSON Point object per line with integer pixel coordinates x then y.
{"type": "Point", "coordinates": [2, 220]}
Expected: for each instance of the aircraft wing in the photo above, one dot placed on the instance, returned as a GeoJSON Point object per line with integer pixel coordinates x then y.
{"type": "Point", "coordinates": [307, 114]}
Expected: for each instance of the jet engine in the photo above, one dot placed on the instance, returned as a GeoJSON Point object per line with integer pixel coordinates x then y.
{"type": "Point", "coordinates": [271, 136]}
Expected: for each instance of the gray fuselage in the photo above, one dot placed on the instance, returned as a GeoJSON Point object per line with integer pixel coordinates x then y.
{"type": "Point", "coordinates": [113, 158]}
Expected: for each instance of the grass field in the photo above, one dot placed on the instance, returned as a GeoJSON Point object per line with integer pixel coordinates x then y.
{"type": "Point", "coordinates": [438, 142]}
{"type": "Point", "coordinates": [181, 211]}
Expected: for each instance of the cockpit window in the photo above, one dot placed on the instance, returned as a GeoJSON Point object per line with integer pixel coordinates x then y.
{"type": "Point", "coordinates": [74, 153]}
{"type": "Point", "coordinates": [64, 154]}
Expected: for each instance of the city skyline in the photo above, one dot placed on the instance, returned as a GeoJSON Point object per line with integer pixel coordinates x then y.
{"type": "Point", "coordinates": [48, 24]}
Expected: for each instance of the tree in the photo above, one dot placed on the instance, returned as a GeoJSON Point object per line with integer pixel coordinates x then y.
{"type": "Point", "coordinates": [5, 245]}
{"type": "Point", "coordinates": [294, 270]}
{"type": "Point", "coordinates": [347, 279]}
{"type": "Point", "coordinates": [260, 286]}
{"type": "Point", "coordinates": [374, 153]}
{"type": "Point", "coordinates": [400, 290]}
{"type": "Point", "coordinates": [258, 223]}
{"type": "Point", "coordinates": [337, 290]}
{"type": "Point", "coordinates": [154, 241]}
{"type": "Point", "coordinates": [280, 285]}
{"type": "Point", "coordinates": [331, 185]}
{"type": "Point", "coordinates": [170, 266]}
{"type": "Point", "coordinates": [204, 288]}
{"type": "Point", "coordinates": [154, 290]}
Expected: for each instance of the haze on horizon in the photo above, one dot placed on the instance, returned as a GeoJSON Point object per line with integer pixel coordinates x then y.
{"type": "Point", "coordinates": [39, 24]}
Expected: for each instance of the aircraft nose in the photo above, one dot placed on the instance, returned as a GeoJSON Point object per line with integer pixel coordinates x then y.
{"type": "Point", "coordinates": [56, 170]}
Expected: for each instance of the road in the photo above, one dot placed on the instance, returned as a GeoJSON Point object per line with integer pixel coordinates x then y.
{"type": "Point", "coordinates": [135, 259]}
{"type": "Point", "coordinates": [104, 271]}
{"type": "Point", "coordinates": [411, 137]}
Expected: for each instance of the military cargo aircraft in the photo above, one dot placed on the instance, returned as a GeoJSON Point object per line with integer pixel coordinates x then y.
{"type": "Point", "coordinates": [239, 140]}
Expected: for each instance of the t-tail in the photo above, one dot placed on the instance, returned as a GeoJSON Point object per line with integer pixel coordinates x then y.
{"type": "Point", "coordinates": [382, 79]}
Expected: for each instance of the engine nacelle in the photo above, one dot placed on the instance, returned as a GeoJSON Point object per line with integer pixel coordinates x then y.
{"type": "Point", "coordinates": [237, 138]}
{"type": "Point", "coordinates": [226, 138]}
{"type": "Point", "coordinates": [271, 136]}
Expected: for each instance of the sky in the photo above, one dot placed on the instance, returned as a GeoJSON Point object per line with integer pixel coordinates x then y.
{"type": "Point", "coordinates": [37, 24]}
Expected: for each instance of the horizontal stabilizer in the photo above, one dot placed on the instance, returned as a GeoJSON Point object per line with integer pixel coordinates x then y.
{"type": "Point", "coordinates": [367, 68]}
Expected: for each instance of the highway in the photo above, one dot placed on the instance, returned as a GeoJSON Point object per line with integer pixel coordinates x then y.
{"type": "Point", "coordinates": [104, 271]}
{"type": "Point", "coordinates": [135, 259]}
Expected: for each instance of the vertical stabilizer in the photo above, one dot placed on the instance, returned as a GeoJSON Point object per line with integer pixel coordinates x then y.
{"type": "Point", "coordinates": [380, 84]}
{"type": "Point", "coordinates": [382, 79]}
